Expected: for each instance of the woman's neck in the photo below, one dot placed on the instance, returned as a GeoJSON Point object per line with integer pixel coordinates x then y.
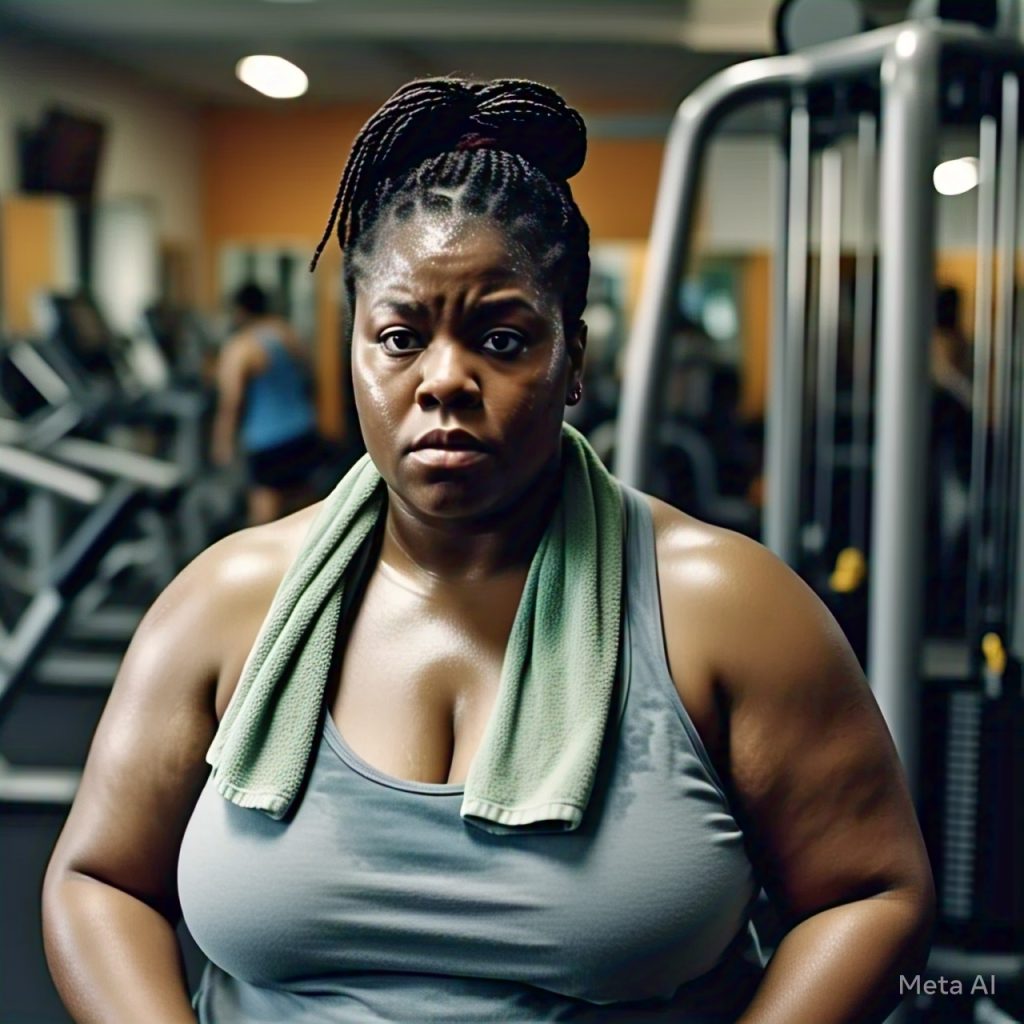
{"type": "Point", "coordinates": [460, 552]}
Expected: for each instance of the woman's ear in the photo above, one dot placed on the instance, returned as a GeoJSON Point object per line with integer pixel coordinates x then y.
{"type": "Point", "coordinates": [576, 346]}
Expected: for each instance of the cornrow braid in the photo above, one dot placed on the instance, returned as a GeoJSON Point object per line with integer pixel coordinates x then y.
{"type": "Point", "coordinates": [503, 149]}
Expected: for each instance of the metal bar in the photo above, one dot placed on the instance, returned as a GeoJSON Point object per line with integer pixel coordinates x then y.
{"type": "Point", "coordinates": [77, 668]}
{"type": "Point", "coordinates": [42, 526]}
{"type": "Point", "coordinates": [98, 456]}
{"type": "Point", "coordinates": [787, 401]}
{"type": "Point", "coordinates": [863, 324]}
{"type": "Point", "coordinates": [44, 474]}
{"type": "Point", "coordinates": [906, 310]}
{"type": "Point", "coordinates": [1015, 512]}
{"type": "Point", "coordinates": [1016, 627]}
{"type": "Point", "coordinates": [1015, 360]}
{"type": "Point", "coordinates": [31, 630]}
{"type": "Point", "coordinates": [44, 428]}
{"type": "Point", "coordinates": [951, 962]}
{"type": "Point", "coordinates": [828, 338]}
{"type": "Point", "coordinates": [39, 373]}
{"type": "Point", "coordinates": [778, 518]}
{"type": "Point", "coordinates": [23, 785]}
{"type": "Point", "coordinates": [982, 372]}
{"type": "Point", "coordinates": [674, 209]}
{"type": "Point", "coordinates": [1002, 424]}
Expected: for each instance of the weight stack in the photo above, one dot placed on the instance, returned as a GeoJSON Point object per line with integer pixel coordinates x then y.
{"type": "Point", "coordinates": [972, 810]}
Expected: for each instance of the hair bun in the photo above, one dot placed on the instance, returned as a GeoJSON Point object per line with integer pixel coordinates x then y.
{"type": "Point", "coordinates": [513, 114]}
{"type": "Point", "coordinates": [532, 120]}
{"type": "Point", "coordinates": [431, 116]}
{"type": "Point", "coordinates": [423, 117]}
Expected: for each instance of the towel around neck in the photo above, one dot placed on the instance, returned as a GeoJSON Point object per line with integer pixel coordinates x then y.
{"type": "Point", "coordinates": [537, 761]}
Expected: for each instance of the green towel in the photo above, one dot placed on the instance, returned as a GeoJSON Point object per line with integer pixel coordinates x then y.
{"type": "Point", "coordinates": [538, 757]}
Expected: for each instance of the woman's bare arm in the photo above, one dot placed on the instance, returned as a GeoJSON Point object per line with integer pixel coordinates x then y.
{"type": "Point", "coordinates": [110, 897]}
{"type": "Point", "coordinates": [234, 367]}
{"type": "Point", "coordinates": [815, 782]}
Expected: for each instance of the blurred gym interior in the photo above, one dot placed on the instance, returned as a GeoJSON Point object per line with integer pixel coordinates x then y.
{"type": "Point", "coordinates": [804, 325]}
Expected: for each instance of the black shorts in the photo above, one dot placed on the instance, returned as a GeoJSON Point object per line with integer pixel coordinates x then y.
{"type": "Point", "coordinates": [286, 465]}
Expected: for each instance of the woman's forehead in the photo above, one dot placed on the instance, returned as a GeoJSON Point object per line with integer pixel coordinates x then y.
{"type": "Point", "coordinates": [444, 253]}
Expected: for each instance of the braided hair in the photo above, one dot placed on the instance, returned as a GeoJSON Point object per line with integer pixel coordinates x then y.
{"type": "Point", "coordinates": [503, 149]}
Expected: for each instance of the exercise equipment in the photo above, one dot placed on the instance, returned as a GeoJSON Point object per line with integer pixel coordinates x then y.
{"type": "Point", "coordinates": [889, 90]}
{"type": "Point", "coordinates": [25, 640]}
{"type": "Point", "coordinates": [88, 379]}
{"type": "Point", "coordinates": [29, 382]}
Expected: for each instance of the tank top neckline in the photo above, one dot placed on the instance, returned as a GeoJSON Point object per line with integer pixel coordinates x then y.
{"type": "Point", "coordinates": [639, 545]}
{"type": "Point", "coordinates": [358, 764]}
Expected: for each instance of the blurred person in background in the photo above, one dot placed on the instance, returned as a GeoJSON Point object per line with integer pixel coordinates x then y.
{"type": "Point", "coordinates": [265, 408]}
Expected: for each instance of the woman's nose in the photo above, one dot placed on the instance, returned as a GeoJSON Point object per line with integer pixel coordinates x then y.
{"type": "Point", "coordinates": [448, 378]}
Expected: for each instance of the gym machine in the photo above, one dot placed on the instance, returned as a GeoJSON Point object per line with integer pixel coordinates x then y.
{"type": "Point", "coordinates": [26, 638]}
{"type": "Point", "coordinates": [40, 413]}
{"type": "Point", "coordinates": [887, 92]}
{"type": "Point", "coordinates": [84, 379]}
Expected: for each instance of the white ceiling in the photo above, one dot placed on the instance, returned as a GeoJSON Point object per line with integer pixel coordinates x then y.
{"type": "Point", "coordinates": [645, 55]}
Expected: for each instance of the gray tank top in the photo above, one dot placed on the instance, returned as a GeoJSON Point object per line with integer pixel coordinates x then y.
{"type": "Point", "coordinates": [374, 901]}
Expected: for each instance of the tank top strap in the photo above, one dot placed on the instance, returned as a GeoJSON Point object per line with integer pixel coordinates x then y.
{"type": "Point", "coordinates": [645, 633]}
{"type": "Point", "coordinates": [642, 573]}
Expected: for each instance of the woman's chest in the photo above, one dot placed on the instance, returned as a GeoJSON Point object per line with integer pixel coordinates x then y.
{"type": "Point", "coordinates": [417, 676]}
{"type": "Point", "coordinates": [369, 876]}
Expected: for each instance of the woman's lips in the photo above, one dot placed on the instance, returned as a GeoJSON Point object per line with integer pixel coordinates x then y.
{"type": "Point", "coordinates": [448, 458]}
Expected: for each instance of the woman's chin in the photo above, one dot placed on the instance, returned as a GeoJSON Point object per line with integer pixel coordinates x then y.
{"type": "Point", "coordinates": [448, 497]}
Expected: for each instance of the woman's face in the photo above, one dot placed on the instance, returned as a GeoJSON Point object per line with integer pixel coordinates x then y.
{"type": "Point", "coordinates": [453, 332]}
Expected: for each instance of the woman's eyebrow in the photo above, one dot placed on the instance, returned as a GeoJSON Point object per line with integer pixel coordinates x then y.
{"type": "Point", "coordinates": [408, 308]}
{"type": "Point", "coordinates": [505, 303]}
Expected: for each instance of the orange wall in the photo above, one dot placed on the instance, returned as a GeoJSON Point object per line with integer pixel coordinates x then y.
{"type": "Point", "coordinates": [272, 174]}
{"type": "Point", "coordinates": [30, 229]}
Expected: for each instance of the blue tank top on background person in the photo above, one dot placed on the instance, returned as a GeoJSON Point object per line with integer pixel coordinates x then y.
{"type": "Point", "coordinates": [278, 405]}
{"type": "Point", "coordinates": [377, 902]}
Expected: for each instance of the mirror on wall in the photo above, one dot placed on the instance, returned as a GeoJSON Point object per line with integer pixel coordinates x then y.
{"type": "Point", "coordinates": [282, 270]}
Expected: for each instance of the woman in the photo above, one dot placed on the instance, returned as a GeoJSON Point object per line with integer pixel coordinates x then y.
{"type": "Point", "coordinates": [738, 743]}
{"type": "Point", "coordinates": [264, 402]}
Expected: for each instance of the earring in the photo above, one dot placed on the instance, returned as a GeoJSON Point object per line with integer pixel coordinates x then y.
{"type": "Point", "coordinates": [576, 393]}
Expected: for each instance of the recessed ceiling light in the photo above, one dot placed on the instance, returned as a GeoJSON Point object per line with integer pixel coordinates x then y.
{"type": "Point", "coordinates": [273, 76]}
{"type": "Point", "coordinates": [955, 177]}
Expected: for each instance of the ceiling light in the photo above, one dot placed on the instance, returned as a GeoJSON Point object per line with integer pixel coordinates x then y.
{"type": "Point", "coordinates": [273, 76]}
{"type": "Point", "coordinates": [906, 43]}
{"type": "Point", "coordinates": [955, 177]}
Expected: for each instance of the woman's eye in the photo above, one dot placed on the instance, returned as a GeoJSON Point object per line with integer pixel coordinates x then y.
{"type": "Point", "coordinates": [504, 343]}
{"type": "Point", "coordinates": [399, 341]}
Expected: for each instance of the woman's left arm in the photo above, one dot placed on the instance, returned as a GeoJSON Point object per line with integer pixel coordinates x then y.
{"type": "Point", "coordinates": [819, 791]}
{"type": "Point", "coordinates": [233, 369]}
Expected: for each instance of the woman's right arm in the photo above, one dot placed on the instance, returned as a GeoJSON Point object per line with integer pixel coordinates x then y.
{"type": "Point", "coordinates": [110, 895]}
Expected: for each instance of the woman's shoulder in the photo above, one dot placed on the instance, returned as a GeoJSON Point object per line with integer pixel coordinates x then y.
{"type": "Point", "coordinates": [735, 616]}
{"type": "Point", "coordinates": [218, 602]}
{"type": "Point", "coordinates": [698, 565]}
{"type": "Point", "coordinates": [697, 558]}
{"type": "Point", "coordinates": [738, 589]}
